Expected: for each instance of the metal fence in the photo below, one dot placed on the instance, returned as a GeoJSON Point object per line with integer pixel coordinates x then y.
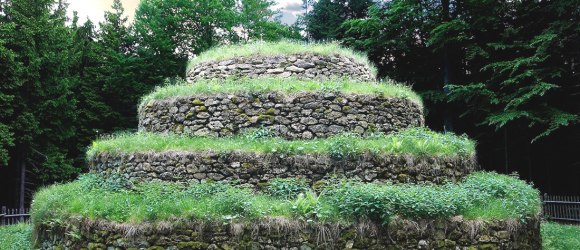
{"type": "Point", "coordinates": [562, 208]}
{"type": "Point", "coordinates": [10, 216]}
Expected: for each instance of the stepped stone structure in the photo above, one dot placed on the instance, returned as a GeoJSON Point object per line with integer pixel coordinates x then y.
{"type": "Point", "coordinates": [301, 116]}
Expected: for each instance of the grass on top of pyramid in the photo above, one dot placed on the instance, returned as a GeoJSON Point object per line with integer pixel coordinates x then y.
{"type": "Point", "coordinates": [413, 141]}
{"type": "Point", "coordinates": [284, 47]}
{"type": "Point", "coordinates": [481, 196]}
{"type": "Point", "coordinates": [181, 88]}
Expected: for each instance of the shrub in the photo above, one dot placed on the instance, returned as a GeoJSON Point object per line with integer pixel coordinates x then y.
{"type": "Point", "coordinates": [288, 188]}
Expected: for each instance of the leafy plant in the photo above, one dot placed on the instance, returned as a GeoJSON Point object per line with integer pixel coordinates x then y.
{"type": "Point", "coordinates": [288, 188]}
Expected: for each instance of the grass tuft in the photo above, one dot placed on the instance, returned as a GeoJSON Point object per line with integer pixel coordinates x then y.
{"type": "Point", "coordinates": [341, 201]}
{"type": "Point", "coordinates": [284, 47]}
{"type": "Point", "coordinates": [415, 141]}
{"type": "Point", "coordinates": [283, 85]}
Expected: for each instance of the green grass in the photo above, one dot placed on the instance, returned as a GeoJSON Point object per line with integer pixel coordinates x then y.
{"type": "Point", "coordinates": [278, 48]}
{"type": "Point", "coordinates": [560, 237]}
{"type": "Point", "coordinates": [15, 237]}
{"type": "Point", "coordinates": [339, 201]}
{"type": "Point", "coordinates": [415, 141]}
{"type": "Point", "coordinates": [284, 85]}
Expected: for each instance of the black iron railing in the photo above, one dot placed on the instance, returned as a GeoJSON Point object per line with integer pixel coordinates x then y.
{"type": "Point", "coordinates": [562, 208]}
{"type": "Point", "coordinates": [10, 216]}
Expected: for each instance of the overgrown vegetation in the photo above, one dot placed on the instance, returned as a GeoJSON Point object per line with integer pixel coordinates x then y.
{"type": "Point", "coordinates": [15, 237]}
{"type": "Point", "coordinates": [339, 201]}
{"type": "Point", "coordinates": [284, 47]}
{"type": "Point", "coordinates": [414, 141]}
{"type": "Point", "coordinates": [285, 85]}
{"type": "Point", "coordinates": [558, 236]}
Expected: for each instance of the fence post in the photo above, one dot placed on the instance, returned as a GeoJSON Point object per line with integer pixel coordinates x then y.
{"type": "Point", "coordinates": [2, 213]}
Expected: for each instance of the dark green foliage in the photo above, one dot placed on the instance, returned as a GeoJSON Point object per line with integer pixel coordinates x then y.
{"type": "Point", "coordinates": [39, 85]}
{"type": "Point", "coordinates": [510, 62]}
{"type": "Point", "coordinates": [324, 20]}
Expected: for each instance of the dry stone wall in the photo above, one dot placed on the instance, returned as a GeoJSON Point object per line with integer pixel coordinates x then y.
{"type": "Point", "coordinates": [292, 116]}
{"type": "Point", "coordinates": [256, 168]}
{"type": "Point", "coordinates": [307, 66]}
{"type": "Point", "coordinates": [453, 233]}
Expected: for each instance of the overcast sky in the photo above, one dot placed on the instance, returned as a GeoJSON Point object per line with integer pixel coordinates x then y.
{"type": "Point", "coordinates": [94, 9]}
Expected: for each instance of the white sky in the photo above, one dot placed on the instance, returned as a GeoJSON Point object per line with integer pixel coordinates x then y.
{"type": "Point", "coordinates": [95, 9]}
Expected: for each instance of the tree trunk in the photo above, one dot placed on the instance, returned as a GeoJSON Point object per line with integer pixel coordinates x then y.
{"type": "Point", "coordinates": [447, 118]}
{"type": "Point", "coordinates": [22, 182]}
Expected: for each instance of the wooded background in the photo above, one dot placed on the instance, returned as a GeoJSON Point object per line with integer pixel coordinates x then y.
{"type": "Point", "coordinates": [506, 73]}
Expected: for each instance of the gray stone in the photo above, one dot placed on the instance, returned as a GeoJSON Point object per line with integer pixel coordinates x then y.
{"type": "Point", "coordinates": [303, 64]}
{"type": "Point", "coordinates": [294, 69]}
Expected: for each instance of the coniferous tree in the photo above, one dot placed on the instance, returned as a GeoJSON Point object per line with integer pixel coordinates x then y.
{"type": "Point", "coordinates": [323, 22]}
{"type": "Point", "coordinates": [42, 119]}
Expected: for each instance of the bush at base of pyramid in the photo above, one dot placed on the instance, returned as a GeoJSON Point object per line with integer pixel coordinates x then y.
{"type": "Point", "coordinates": [285, 146]}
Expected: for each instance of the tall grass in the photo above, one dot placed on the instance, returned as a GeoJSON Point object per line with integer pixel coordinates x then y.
{"type": "Point", "coordinates": [341, 201]}
{"type": "Point", "coordinates": [284, 85]}
{"type": "Point", "coordinates": [416, 141]}
{"type": "Point", "coordinates": [284, 47]}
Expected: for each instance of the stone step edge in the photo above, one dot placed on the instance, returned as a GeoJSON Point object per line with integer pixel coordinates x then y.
{"type": "Point", "coordinates": [301, 116]}
{"type": "Point", "coordinates": [254, 168]}
{"type": "Point", "coordinates": [505, 233]}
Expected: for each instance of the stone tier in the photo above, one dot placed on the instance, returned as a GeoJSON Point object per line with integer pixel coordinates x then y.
{"type": "Point", "coordinates": [259, 168]}
{"type": "Point", "coordinates": [453, 233]}
{"type": "Point", "coordinates": [292, 116]}
{"type": "Point", "coordinates": [310, 66]}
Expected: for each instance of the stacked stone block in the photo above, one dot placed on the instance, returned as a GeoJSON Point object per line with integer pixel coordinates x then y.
{"type": "Point", "coordinates": [296, 116]}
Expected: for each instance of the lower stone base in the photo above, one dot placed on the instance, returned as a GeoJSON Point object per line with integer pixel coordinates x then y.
{"type": "Point", "coordinates": [279, 233]}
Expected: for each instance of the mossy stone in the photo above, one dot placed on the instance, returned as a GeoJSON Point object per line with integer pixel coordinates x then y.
{"type": "Point", "coordinates": [318, 185]}
{"type": "Point", "coordinates": [197, 102]}
{"type": "Point", "coordinates": [271, 111]}
{"type": "Point", "coordinates": [201, 108]}
{"type": "Point", "coordinates": [403, 178]}
{"type": "Point", "coordinates": [189, 114]}
{"type": "Point", "coordinates": [488, 247]}
{"type": "Point", "coordinates": [155, 248]}
{"type": "Point", "coordinates": [192, 245]}
{"type": "Point", "coordinates": [96, 246]}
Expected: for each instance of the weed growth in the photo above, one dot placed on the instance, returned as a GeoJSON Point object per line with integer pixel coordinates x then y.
{"type": "Point", "coordinates": [415, 141]}
{"type": "Point", "coordinates": [342, 201]}
{"type": "Point", "coordinates": [180, 88]}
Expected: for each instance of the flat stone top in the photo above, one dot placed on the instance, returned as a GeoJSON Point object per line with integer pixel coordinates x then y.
{"type": "Point", "coordinates": [277, 49]}
{"type": "Point", "coordinates": [306, 66]}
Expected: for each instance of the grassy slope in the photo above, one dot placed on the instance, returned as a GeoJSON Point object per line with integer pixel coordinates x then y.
{"type": "Point", "coordinates": [15, 237]}
{"type": "Point", "coordinates": [340, 202]}
{"type": "Point", "coordinates": [411, 141]}
{"type": "Point", "coordinates": [277, 48]}
{"type": "Point", "coordinates": [284, 85]}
